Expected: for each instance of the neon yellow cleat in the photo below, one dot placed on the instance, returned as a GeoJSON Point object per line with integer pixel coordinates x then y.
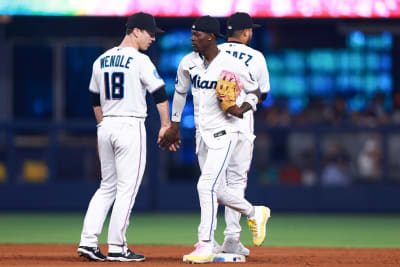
{"type": "Point", "coordinates": [258, 224]}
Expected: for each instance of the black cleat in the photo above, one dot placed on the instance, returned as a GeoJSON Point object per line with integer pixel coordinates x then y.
{"type": "Point", "coordinates": [91, 253]}
{"type": "Point", "coordinates": [127, 256]}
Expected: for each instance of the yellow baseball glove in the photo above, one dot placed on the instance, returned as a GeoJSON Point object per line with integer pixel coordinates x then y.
{"type": "Point", "coordinates": [227, 89]}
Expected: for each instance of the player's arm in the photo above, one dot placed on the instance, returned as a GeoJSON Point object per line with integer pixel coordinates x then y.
{"type": "Point", "coordinates": [98, 113]}
{"type": "Point", "coordinates": [250, 86]}
{"type": "Point", "coordinates": [161, 100]}
{"type": "Point", "coordinates": [156, 87]}
{"type": "Point", "coordinates": [263, 97]}
{"type": "Point", "coordinates": [260, 69]}
{"type": "Point", "coordinates": [95, 96]}
{"type": "Point", "coordinates": [251, 100]}
{"type": "Point", "coordinates": [172, 136]}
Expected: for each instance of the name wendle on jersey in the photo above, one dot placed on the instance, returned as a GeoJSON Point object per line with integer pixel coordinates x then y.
{"type": "Point", "coordinates": [202, 84]}
{"type": "Point", "coordinates": [115, 61]}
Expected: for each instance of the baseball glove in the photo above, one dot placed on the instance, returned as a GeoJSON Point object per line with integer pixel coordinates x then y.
{"type": "Point", "coordinates": [227, 89]}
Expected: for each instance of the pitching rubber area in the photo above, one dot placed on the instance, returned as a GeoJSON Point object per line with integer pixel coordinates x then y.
{"type": "Point", "coordinates": [65, 255]}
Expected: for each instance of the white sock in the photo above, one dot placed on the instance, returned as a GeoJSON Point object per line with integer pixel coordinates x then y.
{"type": "Point", "coordinates": [252, 213]}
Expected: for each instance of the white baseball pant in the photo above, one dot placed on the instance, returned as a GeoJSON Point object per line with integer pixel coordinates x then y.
{"type": "Point", "coordinates": [122, 152]}
{"type": "Point", "coordinates": [211, 188]}
{"type": "Point", "coordinates": [236, 181]}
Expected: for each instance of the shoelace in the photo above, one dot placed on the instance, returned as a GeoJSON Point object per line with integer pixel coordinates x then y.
{"type": "Point", "coordinates": [253, 227]}
{"type": "Point", "coordinates": [128, 252]}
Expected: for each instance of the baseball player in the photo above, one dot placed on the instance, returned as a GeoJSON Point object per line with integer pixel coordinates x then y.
{"type": "Point", "coordinates": [240, 31]}
{"type": "Point", "coordinates": [216, 132]}
{"type": "Point", "coordinates": [120, 79]}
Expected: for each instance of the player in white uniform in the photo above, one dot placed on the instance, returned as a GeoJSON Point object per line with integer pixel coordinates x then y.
{"type": "Point", "coordinates": [216, 132]}
{"type": "Point", "coordinates": [240, 31]}
{"type": "Point", "coordinates": [120, 79]}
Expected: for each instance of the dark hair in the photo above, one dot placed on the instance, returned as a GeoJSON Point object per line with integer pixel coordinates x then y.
{"type": "Point", "coordinates": [128, 31]}
{"type": "Point", "coordinates": [235, 33]}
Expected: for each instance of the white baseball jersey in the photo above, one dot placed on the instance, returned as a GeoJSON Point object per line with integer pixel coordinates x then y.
{"type": "Point", "coordinates": [120, 68]}
{"type": "Point", "coordinates": [203, 79]}
{"type": "Point", "coordinates": [255, 62]}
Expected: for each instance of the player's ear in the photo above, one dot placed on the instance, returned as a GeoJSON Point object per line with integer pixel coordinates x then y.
{"type": "Point", "coordinates": [136, 32]}
{"type": "Point", "coordinates": [247, 34]}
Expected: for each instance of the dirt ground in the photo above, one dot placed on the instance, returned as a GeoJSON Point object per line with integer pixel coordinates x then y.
{"type": "Point", "coordinates": [65, 255]}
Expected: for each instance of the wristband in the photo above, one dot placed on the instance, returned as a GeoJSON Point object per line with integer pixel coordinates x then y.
{"type": "Point", "coordinates": [252, 99]}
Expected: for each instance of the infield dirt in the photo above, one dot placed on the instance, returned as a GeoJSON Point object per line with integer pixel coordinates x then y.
{"type": "Point", "coordinates": [65, 255]}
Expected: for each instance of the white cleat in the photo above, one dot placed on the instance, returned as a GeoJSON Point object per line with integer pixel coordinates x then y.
{"type": "Point", "coordinates": [216, 247]}
{"type": "Point", "coordinates": [202, 254]}
{"type": "Point", "coordinates": [234, 246]}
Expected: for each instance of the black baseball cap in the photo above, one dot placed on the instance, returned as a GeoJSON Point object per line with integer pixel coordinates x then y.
{"type": "Point", "coordinates": [207, 24]}
{"type": "Point", "coordinates": [143, 21]}
{"type": "Point", "coordinates": [240, 21]}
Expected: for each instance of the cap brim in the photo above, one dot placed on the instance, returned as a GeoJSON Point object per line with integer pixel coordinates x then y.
{"type": "Point", "coordinates": [158, 30]}
{"type": "Point", "coordinates": [256, 25]}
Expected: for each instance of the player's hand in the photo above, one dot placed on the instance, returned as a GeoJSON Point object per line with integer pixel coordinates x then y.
{"type": "Point", "coordinates": [235, 111]}
{"type": "Point", "coordinates": [162, 131]}
{"type": "Point", "coordinates": [174, 147]}
{"type": "Point", "coordinates": [170, 138]}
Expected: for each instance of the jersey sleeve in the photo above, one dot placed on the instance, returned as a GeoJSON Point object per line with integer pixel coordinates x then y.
{"type": "Point", "coordinates": [249, 82]}
{"type": "Point", "coordinates": [259, 71]}
{"type": "Point", "coordinates": [93, 85]}
{"type": "Point", "coordinates": [149, 76]}
{"type": "Point", "coordinates": [182, 84]}
{"type": "Point", "coordinates": [182, 81]}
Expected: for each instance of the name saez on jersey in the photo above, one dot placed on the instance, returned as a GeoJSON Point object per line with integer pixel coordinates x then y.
{"type": "Point", "coordinates": [241, 56]}
{"type": "Point", "coordinates": [239, 51]}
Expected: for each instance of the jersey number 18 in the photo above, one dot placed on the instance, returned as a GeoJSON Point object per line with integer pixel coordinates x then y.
{"type": "Point", "coordinates": [117, 85]}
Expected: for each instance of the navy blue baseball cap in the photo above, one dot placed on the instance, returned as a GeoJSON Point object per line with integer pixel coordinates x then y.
{"type": "Point", "coordinates": [207, 24]}
{"type": "Point", "coordinates": [240, 21]}
{"type": "Point", "coordinates": [143, 21]}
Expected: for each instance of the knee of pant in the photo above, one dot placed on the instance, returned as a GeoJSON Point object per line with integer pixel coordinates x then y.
{"type": "Point", "coordinates": [109, 190]}
{"type": "Point", "coordinates": [204, 186]}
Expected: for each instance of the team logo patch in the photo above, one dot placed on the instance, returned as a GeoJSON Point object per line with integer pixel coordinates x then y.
{"type": "Point", "coordinates": [156, 74]}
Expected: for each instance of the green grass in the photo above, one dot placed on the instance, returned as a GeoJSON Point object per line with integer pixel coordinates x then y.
{"type": "Point", "coordinates": [292, 230]}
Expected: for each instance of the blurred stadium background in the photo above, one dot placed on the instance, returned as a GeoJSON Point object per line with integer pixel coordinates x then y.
{"type": "Point", "coordinates": [328, 136]}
